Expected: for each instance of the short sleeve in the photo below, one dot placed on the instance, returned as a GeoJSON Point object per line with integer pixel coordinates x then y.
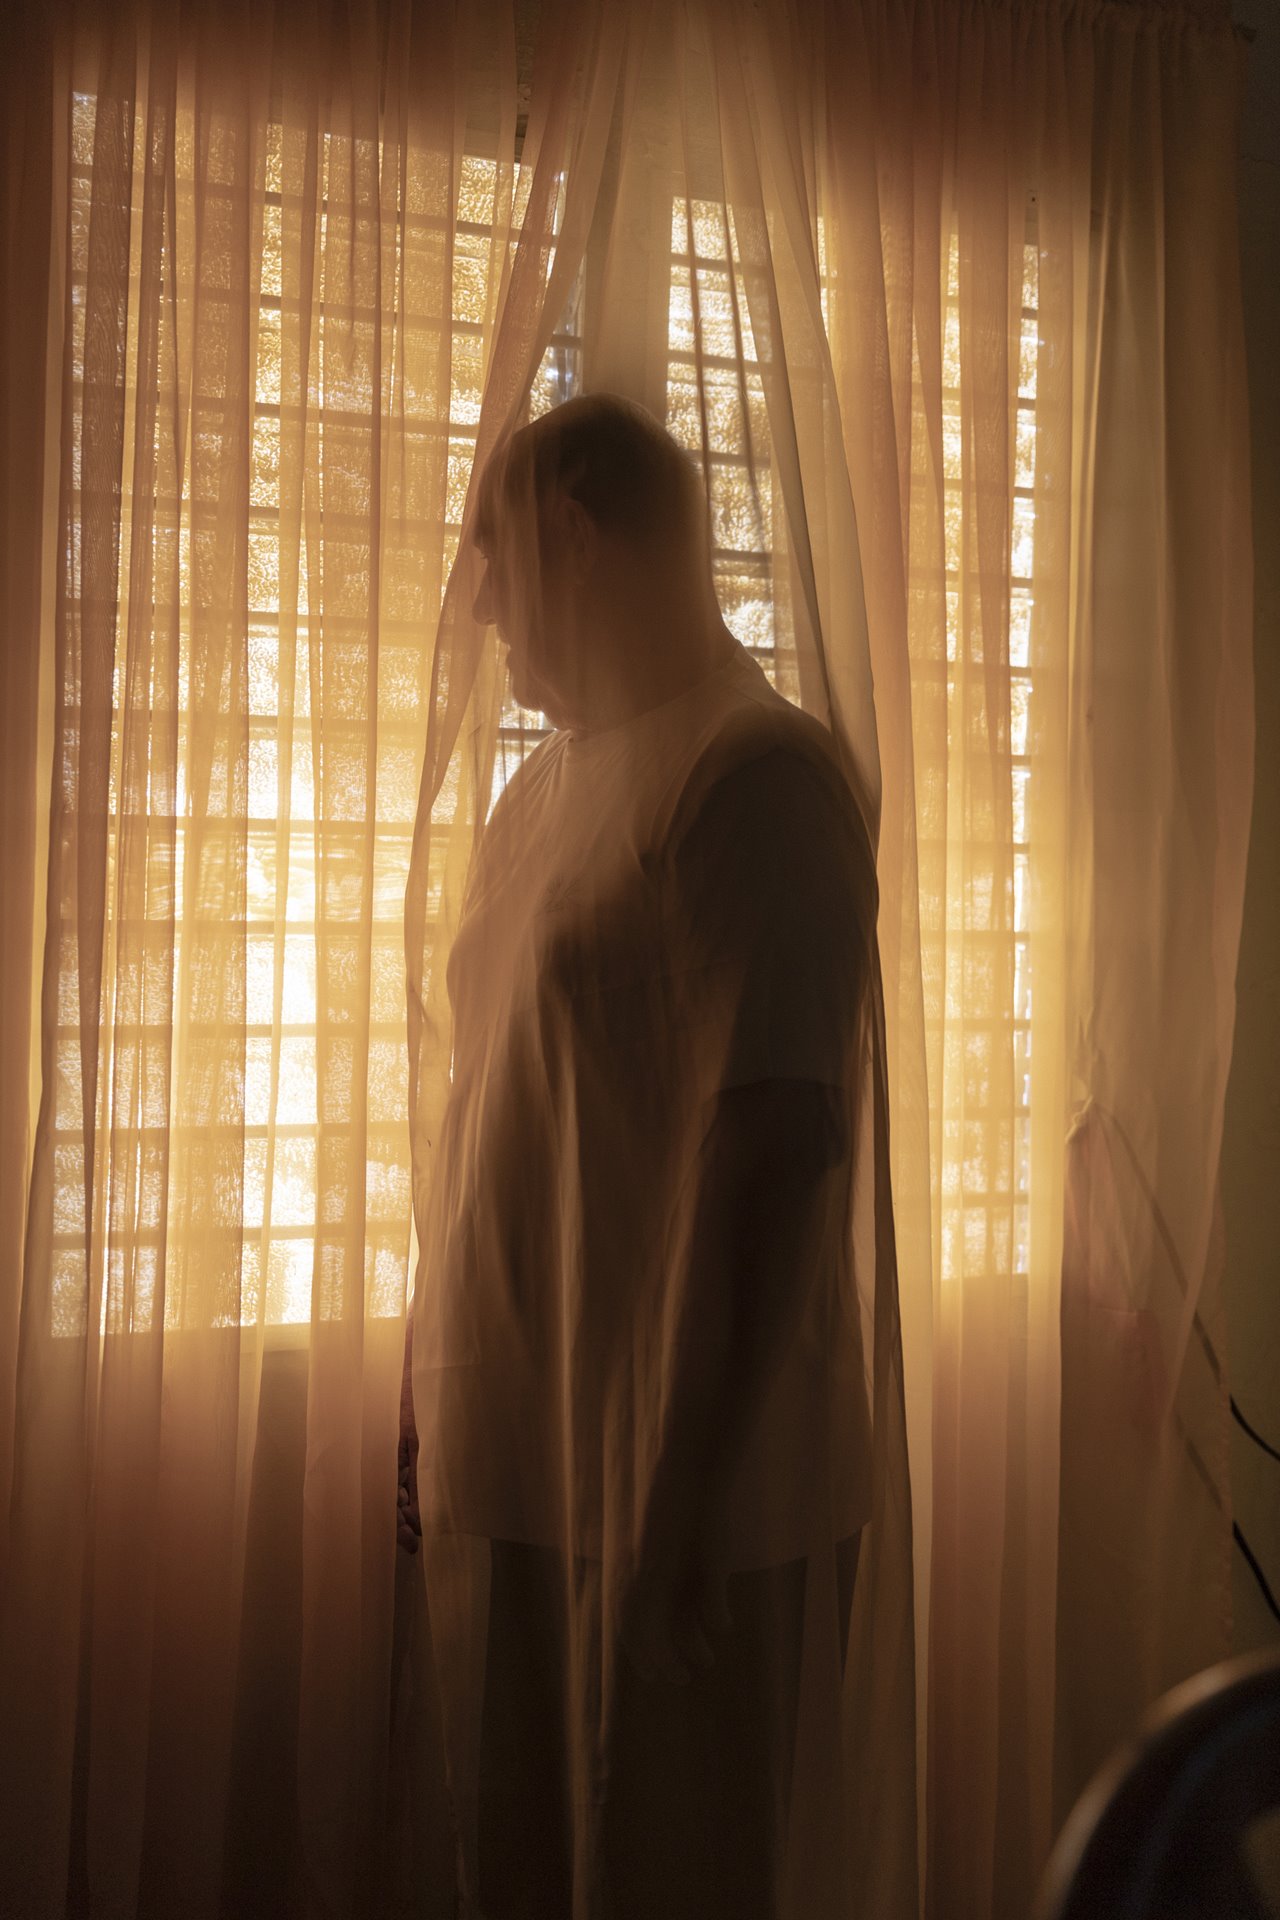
{"type": "Point", "coordinates": [768, 917]}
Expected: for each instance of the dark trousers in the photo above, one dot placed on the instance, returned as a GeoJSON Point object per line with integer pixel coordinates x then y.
{"type": "Point", "coordinates": [699, 1776]}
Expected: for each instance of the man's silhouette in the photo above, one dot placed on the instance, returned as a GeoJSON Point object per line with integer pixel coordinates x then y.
{"type": "Point", "coordinates": [636, 1357]}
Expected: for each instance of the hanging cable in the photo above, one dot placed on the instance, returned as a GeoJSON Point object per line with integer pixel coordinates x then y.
{"type": "Point", "coordinates": [1252, 1432]}
{"type": "Point", "coordinates": [1258, 1574]}
{"type": "Point", "coordinates": [1240, 1540]}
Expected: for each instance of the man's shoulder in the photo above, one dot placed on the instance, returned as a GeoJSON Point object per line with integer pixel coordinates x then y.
{"type": "Point", "coordinates": [764, 753]}
{"type": "Point", "coordinates": [528, 782]}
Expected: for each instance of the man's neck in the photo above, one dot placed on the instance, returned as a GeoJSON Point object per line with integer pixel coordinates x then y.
{"type": "Point", "coordinates": [647, 675]}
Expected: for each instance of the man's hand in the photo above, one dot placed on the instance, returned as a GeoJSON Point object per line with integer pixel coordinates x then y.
{"type": "Point", "coordinates": [408, 1519]}
{"type": "Point", "coordinates": [672, 1611]}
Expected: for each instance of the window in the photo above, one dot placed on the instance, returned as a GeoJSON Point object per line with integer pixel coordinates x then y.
{"type": "Point", "coordinates": [742, 546]}
{"type": "Point", "coordinates": [985, 1178]}
{"type": "Point", "coordinates": [985, 1185]}
{"type": "Point", "coordinates": [707, 294]}
{"type": "Point", "coordinates": [559, 378]}
{"type": "Point", "coordinates": [309, 835]}
{"type": "Point", "coordinates": [301, 838]}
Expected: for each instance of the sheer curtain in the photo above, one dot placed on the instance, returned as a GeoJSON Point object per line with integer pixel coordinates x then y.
{"type": "Point", "coordinates": [282, 244]}
{"type": "Point", "coordinates": [946, 302]}
{"type": "Point", "coordinates": [1038, 329]}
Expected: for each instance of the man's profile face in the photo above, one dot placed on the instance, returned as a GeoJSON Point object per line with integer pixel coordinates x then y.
{"type": "Point", "coordinates": [505, 599]}
{"type": "Point", "coordinates": [496, 605]}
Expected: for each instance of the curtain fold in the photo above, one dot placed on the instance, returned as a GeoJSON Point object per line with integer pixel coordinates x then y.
{"type": "Point", "coordinates": [29, 347]}
{"type": "Point", "coordinates": [1161, 779]}
{"type": "Point", "coordinates": [284, 235]}
{"type": "Point", "coordinates": [945, 301]}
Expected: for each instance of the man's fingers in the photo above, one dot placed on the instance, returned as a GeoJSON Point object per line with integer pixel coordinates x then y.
{"type": "Point", "coordinates": [408, 1521]}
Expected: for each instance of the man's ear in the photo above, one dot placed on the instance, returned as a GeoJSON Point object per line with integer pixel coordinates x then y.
{"type": "Point", "coordinates": [581, 536]}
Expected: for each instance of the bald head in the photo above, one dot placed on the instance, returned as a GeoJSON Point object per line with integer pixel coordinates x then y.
{"type": "Point", "coordinates": [592, 523]}
{"type": "Point", "coordinates": [616, 461]}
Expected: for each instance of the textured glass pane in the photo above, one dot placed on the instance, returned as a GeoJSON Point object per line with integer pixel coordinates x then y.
{"type": "Point", "coordinates": [262, 880]}
{"type": "Point", "coordinates": [262, 777]}
{"type": "Point", "coordinates": [461, 456]}
{"type": "Point", "coordinates": [953, 623]}
{"type": "Point", "coordinates": [289, 1163]}
{"type": "Point", "coordinates": [520, 197]}
{"type": "Point", "coordinates": [951, 348]}
{"type": "Point", "coordinates": [84, 114]}
{"type": "Point", "coordinates": [727, 427]}
{"type": "Point", "coordinates": [1019, 699]}
{"type": "Point", "coordinates": [388, 1078]}
{"type": "Point", "coordinates": [1021, 890]}
{"type": "Point", "coordinates": [289, 1268]}
{"type": "Point", "coordinates": [722, 323]}
{"type": "Point", "coordinates": [974, 1232]}
{"type": "Point", "coordinates": [1021, 982]}
{"type": "Point", "coordinates": [386, 1001]}
{"type": "Point", "coordinates": [746, 601]}
{"type": "Point", "coordinates": [477, 179]}
{"type": "Point", "coordinates": [385, 1275]}
{"type": "Point", "coordinates": [1020, 777]}
{"type": "Point", "coordinates": [250, 1280]}
{"type": "Point", "coordinates": [466, 373]}
{"type": "Point", "coordinates": [397, 782]}
{"type": "Point", "coordinates": [951, 443]}
{"type": "Point", "coordinates": [264, 475]}
{"type": "Point", "coordinates": [263, 662]}
{"type": "Point", "coordinates": [271, 254]}
{"type": "Point", "coordinates": [1026, 455]}
{"type": "Point", "coordinates": [81, 200]}
{"type": "Point", "coordinates": [1027, 360]}
{"type": "Point", "coordinates": [77, 350]}
{"type": "Point", "coordinates": [555, 380]}
{"type": "Point", "coordinates": [680, 337]}
{"type": "Point", "coordinates": [1020, 605]}
{"type": "Point", "coordinates": [297, 1086]}
{"type": "Point", "coordinates": [954, 514]}
{"type": "Point", "coordinates": [1022, 1144]}
{"type": "Point", "coordinates": [275, 160]}
{"type": "Point", "coordinates": [710, 238]}
{"type": "Point", "coordinates": [470, 277]}
{"type": "Point", "coordinates": [1030, 275]}
{"type": "Point", "coordinates": [1024, 529]}
{"type": "Point", "coordinates": [1021, 1074]}
{"type": "Point", "coordinates": [268, 375]}
{"type": "Point", "coordinates": [298, 982]}
{"type": "Point", "coordinates": [264, 571]}
{"type": "Point", "coordinates": [740, 519]}
{"type": "Point", "coordinates": [387, 1191]}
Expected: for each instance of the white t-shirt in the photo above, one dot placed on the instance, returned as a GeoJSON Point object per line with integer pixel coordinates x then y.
{"type": "Point", "coordinates": [658, 911]}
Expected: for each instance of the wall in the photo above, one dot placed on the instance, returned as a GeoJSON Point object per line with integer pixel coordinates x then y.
{"type": "Point", "coordinates": [1251, 1145]}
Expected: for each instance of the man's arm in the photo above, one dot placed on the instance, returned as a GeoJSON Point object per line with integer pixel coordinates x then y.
{"type": "Point", "coordinates": [772, 911]}
{"type": "Point", "coordinates": [770, 1175]}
